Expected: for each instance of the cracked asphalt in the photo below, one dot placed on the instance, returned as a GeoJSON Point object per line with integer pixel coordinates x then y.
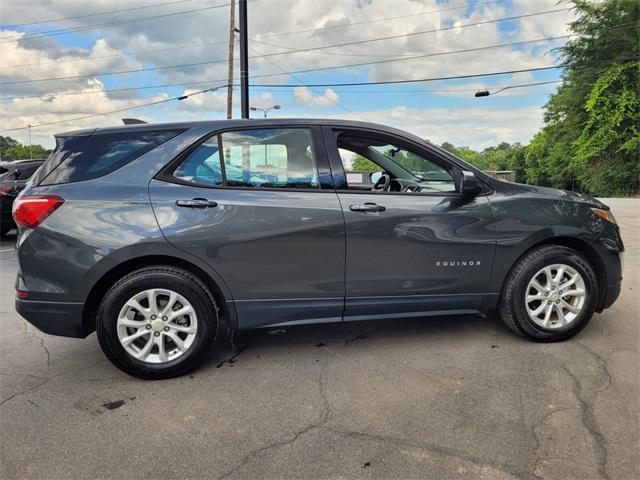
{"type": "Point", "coordinates": [431, 398]}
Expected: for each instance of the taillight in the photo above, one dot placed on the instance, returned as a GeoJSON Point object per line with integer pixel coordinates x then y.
{"type": "Point", "coordinates": [31, 210]}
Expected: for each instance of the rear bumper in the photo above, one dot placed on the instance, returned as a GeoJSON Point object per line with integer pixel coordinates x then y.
{"type": "Point", "coordinates": [55, 318]}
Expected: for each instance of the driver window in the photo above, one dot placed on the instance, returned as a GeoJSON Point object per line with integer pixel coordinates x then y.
{"type": "Point", "coordinates": [409, 172]}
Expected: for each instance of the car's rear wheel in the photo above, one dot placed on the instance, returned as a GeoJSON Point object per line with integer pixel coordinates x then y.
{"type": "Point", "coordinates": [549, 295]}
{"type": "Point", "coordinates": [157, 322]}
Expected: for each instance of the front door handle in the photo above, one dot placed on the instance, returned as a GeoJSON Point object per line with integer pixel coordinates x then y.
{"type": "Point", "coordinates": [196, 203]}
{"type": "Point", "coordinates": [367, 207]}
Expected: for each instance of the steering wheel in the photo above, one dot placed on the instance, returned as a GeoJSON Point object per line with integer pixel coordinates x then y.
{"type": "Point", "coordinates": [383, 182]}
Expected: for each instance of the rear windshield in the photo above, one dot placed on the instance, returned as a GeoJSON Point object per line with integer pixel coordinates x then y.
{"type": "Point", "coordinates": [82, 158]}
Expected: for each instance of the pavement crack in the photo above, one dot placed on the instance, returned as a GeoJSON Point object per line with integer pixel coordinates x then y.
{"type": "Point", "coordinates": [46, 351]}
{"type": "Point", "coordinates": [37, 377]}
{"type": "Point", "coordinates": [590, 423]}
{"type": "Point", "coordinates": [45, 382]}
{"type": "Point", "coordinates": [325, 416]}
{"type": "Point", "coordinates": [509, 469]}
{"type": "Point", "coordinates": [34, 335]}
{"type": "Point", "coordinates": [538, 443]}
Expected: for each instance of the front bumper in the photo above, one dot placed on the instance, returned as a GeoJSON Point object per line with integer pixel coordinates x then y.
{"type": "Point", "coordinates": [55, 318]}
{"type": "Point", "coordinates": [611, 294]}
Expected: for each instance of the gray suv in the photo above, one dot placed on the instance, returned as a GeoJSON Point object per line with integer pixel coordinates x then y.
{"type": "Point", "coordinates": [153, 235]}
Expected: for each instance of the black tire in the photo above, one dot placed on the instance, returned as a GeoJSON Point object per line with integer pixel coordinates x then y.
{"type": "Point", "coordinates": [158, 276]}
{"type": "Point", "coordinates": [512, 307]}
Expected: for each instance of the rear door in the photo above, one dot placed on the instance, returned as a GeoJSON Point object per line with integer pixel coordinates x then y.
{"type": "Point", "coordinates": [409, 253]}
{"type": "Point", "coordinates": [257, 204]}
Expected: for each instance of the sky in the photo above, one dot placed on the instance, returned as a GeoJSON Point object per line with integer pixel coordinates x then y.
{"type": "Point", "coordinates": [54, 68]}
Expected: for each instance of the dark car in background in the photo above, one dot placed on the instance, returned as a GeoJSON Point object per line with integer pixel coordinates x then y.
{"type": "Point", "coordinates": [13, 178]}
{"type": "Point", "coordinates": [155, 234]}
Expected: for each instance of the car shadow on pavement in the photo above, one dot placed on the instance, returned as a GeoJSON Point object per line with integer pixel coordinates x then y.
{"type": "Point", "coordinates": [231, 346]}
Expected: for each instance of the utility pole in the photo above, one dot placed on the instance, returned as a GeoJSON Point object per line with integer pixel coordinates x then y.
{"type": "Point", "coordinates": [30, 154]}
{"type": "Point", "coordinates": [244, 60]}
{"type": "Point", "coordinates": [232, 41]}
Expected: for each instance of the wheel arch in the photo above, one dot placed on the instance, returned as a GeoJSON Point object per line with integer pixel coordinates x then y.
{"type": "Point", "coordinates": [107, 279]}
{"type": "Point", "coordinates": [579, 245]}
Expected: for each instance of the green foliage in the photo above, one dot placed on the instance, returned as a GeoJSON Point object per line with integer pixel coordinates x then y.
{"type": "Point", "coordinates": [11, 149]}
{"type": "Point", "coordinates": [505, 156]}
{"type": "Point", "coordinates": [590, 141]}
{"type": "Point", "coordinates": [607, 156]}
{"type": "Point", "coordinates": [361, 164]}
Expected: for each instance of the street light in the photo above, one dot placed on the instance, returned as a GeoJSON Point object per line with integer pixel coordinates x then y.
{"type": "Point", "coordinates": [265, 110]}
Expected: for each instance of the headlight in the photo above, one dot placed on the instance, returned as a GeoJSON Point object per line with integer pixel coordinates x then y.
{"type": "Point", "coordinates": [604, 214]}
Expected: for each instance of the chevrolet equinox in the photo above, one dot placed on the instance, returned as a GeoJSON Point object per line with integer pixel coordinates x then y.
{"type": "Point", "coordinates": [152, 235]}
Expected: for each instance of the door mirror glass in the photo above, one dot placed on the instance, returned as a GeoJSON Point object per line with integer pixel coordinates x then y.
{"type": "Point", "coordinates": [469, 184]}
{"type": "Point", "coordinates": [375, 176]}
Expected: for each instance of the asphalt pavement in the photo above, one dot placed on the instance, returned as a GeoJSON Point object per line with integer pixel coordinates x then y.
{"type": "Point", "coordinates": [455, 397]}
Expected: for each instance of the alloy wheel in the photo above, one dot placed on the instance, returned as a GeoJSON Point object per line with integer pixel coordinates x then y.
{"type": "Point", "coordinates": [555, 296]}
{"type": "Point", "coordinates": [157, 326]}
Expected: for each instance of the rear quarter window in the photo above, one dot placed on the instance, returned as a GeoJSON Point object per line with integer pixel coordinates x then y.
{"type": "Point", "coordinates": [101, 154]}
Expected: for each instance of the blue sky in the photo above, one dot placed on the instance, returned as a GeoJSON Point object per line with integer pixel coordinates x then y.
{"type": "Point", "coordinates": [423, 108]}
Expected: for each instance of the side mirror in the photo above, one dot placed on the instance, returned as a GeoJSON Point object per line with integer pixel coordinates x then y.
{"type": "Point", "coordinates": [469, 184]}
{"type": "Point", "coordinates": [375, 176]}
{"type": "Point", "coordinates": [16, 174]}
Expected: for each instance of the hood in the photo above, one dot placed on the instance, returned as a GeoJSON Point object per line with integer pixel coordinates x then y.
{"type": "Point", "coordinates": [557, 193]}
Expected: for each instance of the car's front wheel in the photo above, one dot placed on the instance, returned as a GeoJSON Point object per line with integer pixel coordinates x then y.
{"type": "Point", "coordinates": [549, 295]}
{"type": "Point", "coordinates": [157, 322]}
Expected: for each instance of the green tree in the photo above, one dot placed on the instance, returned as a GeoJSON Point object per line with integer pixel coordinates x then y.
{"type": "Point", "coordinates": [607, 159]}
{"type": "Point", "coordinates": [591, 123]}
{"type": "Point", "coordinates": [11, 149]}
{"type": "Point", "coordinates": [361, 164]}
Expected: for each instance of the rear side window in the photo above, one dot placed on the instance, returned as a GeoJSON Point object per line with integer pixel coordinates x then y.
{"type": "Point", "coordinates": [261, 158]}
{"type": "Point", "coordinates": [202, 165]}
{"type": "Point", "coordinates": [101, 154]}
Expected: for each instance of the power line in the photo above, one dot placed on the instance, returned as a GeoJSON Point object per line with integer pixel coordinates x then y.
{"type": "Point", "coordinates": [376, 20]}
{"type": "Point", "coordinates": [52, 20]}
{"type": "Point", "coordinates": [65, 31]}
{"type": "Point", "coordinates": [433, 54]}
{"type": "Point", "coordinates": [184, 97]}
{"type": "Point", "coordinates": [415, 80]}
{"type": "Point", "coordinates": [302, 84]}
{"type": "Point", "coordinates": [415, 57]}
{"type": "Point", "coordinates": [256, 39]}
{"type": "Point", "coordinates": [148, 104]}
{"type": "Point", "coordinates": [167, 85]}
{"type": "Point", "coordinates": [445, 90]}
{"type": "Point", "coordinates": [359, 42]}
{"type": "Point", "coordinates": [423, 32]}
{"type": "Point", "coordinates": [108, 90]}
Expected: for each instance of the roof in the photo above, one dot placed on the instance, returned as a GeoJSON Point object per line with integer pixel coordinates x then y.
{"type": "Point", "coordinates": [254, 122]}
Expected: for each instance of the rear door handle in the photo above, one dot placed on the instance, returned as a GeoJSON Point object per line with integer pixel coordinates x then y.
{"type": "Point", "coordinates": [196, 203]}
{"type": "Point", "coordinates": [367, 207]}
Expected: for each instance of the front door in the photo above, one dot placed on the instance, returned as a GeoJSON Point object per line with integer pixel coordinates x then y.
{"type": "Point", "coordinates": [257, 205]}
{"type": "Point", "coordinates": [415, 246]}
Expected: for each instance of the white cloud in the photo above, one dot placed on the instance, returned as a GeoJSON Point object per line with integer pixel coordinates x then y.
{"type": "Point", "coordinates": [209, 101]}
{"type": "Point", "coordinates": [199, 37]}
{"type": "Point", "coordinates": [304, 96]}
{"type": "Point", "coordinates": [477, 127]}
